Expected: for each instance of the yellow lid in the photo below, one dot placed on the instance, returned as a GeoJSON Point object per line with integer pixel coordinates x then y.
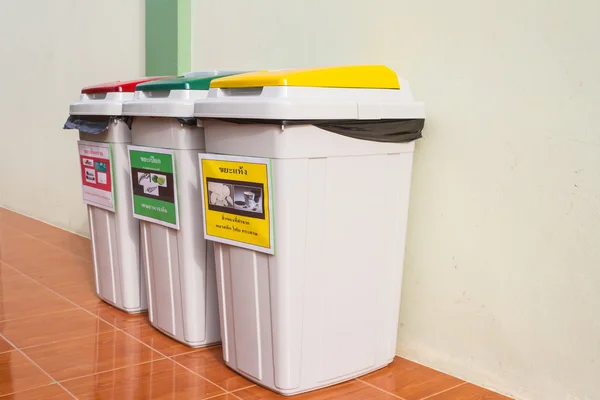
{"type": "Point", "coordinates": [358, 77]}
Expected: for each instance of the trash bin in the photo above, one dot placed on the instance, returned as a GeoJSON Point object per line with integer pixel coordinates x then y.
{"type": "Point", "coordinates": [164, 171]}
{"type": "Point", "coordinates": [309, 255]}
{"type": "Point", "coordinates": [104, 134]}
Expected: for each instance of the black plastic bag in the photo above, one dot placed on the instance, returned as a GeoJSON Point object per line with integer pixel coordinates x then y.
{"type": "Point", "coordinates": [93, 124]}
{"type": "Point", "coordinates": [380, 130]}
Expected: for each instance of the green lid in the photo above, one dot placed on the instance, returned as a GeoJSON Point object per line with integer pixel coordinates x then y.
{"type": "Point", "coordinates": [191, 81]}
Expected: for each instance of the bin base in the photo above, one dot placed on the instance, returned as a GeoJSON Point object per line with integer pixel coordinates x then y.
{"type": "Point", "coordinates": [121, 308]}
{"type": "Point", "coordinates": [305, 389]}
{"type": "Point", "coordinates": [193, 345]}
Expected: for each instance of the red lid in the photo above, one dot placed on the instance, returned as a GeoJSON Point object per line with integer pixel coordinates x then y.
{"type": "Point", "coordinates": [119, 86]}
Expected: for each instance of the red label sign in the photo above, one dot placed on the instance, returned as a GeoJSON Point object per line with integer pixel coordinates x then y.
{"type": "Point", "coordinates": [96, 174]}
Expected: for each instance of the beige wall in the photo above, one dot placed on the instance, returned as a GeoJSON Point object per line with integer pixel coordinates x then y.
{"type": "Point", "coordinates": [502, 273]}
{"type": "Point", "coordinates": [50, 49]}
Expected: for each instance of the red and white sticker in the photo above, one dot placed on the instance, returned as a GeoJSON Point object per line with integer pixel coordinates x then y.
{"type": "Point", "coordinates": [95, 162]}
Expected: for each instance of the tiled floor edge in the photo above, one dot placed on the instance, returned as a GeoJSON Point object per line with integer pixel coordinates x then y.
{"type": "Point", "coordinates": [465, 381]}
{"type": "Point", "coordinates": [40, 221]}
{"type": "Point", "coordinates": [444, 391]}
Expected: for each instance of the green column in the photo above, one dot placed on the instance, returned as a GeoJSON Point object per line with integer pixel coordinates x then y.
{"type": "Point", "coordinates": [168, 37]}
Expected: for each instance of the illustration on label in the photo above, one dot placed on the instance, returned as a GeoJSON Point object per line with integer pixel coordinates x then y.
{"type": "Point", "coordinates": [153, 185]}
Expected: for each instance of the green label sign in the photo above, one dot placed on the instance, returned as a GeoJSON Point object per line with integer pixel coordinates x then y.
{"type": "Point", "coordinates": [153, 184]}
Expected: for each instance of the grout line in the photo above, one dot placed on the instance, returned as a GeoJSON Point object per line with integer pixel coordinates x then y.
{"type": "Point", "coordinates": [203, 377]}
{"type": "Point", "coordinates": [38, 366]}
{"type": "Point", "coordinates": [24, 392]}
{"type": "Point", "coordinates": [36, 315]}
{"type": "Point", "coordinates": [171, 358]}
{"type": "Point", "coordinates": [192, 349]}
{"type": "Point", "coordinates": [37, 220]}
{"type": "Point", "coordinates": [380, 389]}
{"type": "Point", "coordinates": [64, 340]}
{"type": "Point", "coordinates": [196, 350]}
{"type": "Point", "coordinates": [216, 396]}
{"type": "Point", "coordinates": [21, 392]}
{"type": "Point", "coordinates": [243, 388]}
{"type": "Point", "coordinates": [444, 391]}
{"type": "Point", "coordinates": [111, 370]}
{"type": "Point", "coordinates": [119, 329]}
{"type": "Point", "coordinates": [116, 327]}
{"type": "Point", "coordinates": [50, 244]}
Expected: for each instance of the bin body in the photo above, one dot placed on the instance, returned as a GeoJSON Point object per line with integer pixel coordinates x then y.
{"type": "Point", "coordinates": [179, 263]}
{"type": "Point", "coordinates": [114, 233]}
{"type": "Point", "coordinates": [324, 308]}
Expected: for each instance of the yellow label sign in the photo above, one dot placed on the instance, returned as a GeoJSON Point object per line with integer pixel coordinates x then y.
{"type": "Point", "coordinates": [237, 202]}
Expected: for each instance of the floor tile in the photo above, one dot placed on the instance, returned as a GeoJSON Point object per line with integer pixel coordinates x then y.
{"type": "Point", "coordinates": [353, 390]}
{"type": "Point", "coordinates": [67, 241]}
{"type": "Point", "coordinates": [8, 233]}
{"type": "Point", "coordinates": [157, 340]}
{"type": "Point", "coordinates": [209, 363]}
{"type": "Point", "coordinates": [17, 373]}
{"type": "Point", "coordinates": [69, 275]}
{"type": "Point", "coordinates": [227, 396]}
{"type": "Point", "coordinates": [50, 328]}
{"type": "Point", "coordinates": [65, 267]}
{"type": "Point", "coordinates": [15, 249]}
{"type": "Point", "coordinates": [156, 380]}
{"type": "Point", "coordinates": [90, 355]}
{"type": "Point", "coordinates": [116, 317]}
{"type": "Point", "coordinates": [81, 293]}
{"type": "Point", "coordinates": [14, 277]}
{"type": "Point", "coordinates": [50, 392]}
{"type": "Point", "coordinates": [5, 346]}
{"type": "Point", "coordinates": [46, 273]}
{"type": "Point", "coordinates": [21, 298]}
{"type": "Point", "coordinates": [468, 392]}
{"type": "Point", "coordinates": [51, 267]}
{"type": "Point", "coordinates": [410, 380]}
{"type": "Point", "coordinates": [48, 236]}
{"type": "Point", "coordinates": [21, 222]}
{"type": "Point", "coordinates": [47, 233]}
{"type": "Point", "coordinates": [30, 226]}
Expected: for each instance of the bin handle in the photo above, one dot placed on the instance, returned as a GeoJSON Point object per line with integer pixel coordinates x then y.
{"type": "Point", "coordinates": [94, 96]}
{"type": "Point", "coordinates": [249, 91]}
{"type": "Point", "coordinates": [155, 94]}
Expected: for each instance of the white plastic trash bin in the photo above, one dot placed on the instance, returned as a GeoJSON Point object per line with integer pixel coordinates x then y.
{"type": "Point", "coordinates": [104, 135]}
{"type": "Point", "coordinates": [164, 171]}
{"type": "Point", "coordinates": [310, 254]}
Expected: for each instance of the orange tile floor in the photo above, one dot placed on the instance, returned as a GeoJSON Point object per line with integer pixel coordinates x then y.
{"type": "Point", "coordinates": [59, 341]}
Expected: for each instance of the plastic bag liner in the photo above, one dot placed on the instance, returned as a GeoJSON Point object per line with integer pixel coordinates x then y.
{"type": "Point", "coordinates": [380, 130]}
{"type": "Point", "coordinates": [93, 124]}
{"type": "Point", "coordinates": [183, 121]}
{"type": "Point", "coordinates": [187, 121]}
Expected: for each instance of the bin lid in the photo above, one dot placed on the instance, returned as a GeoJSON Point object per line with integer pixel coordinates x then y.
{"type": "Point", "coordinates": [190, 81]}
{"type": "Point", "coordinates": [364, 92]}
{"type": "Point", "coordinates": [359, 76]}
{"type": "Point", "coordinates": [106, 98]}
{"type": "Point", "coordinates": [118, 86]}
{"type": "Point", "coordinates": [172, 97]}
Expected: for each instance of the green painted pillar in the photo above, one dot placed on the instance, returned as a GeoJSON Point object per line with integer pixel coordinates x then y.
{"type": "Point", "coordinates": [168, 37]}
